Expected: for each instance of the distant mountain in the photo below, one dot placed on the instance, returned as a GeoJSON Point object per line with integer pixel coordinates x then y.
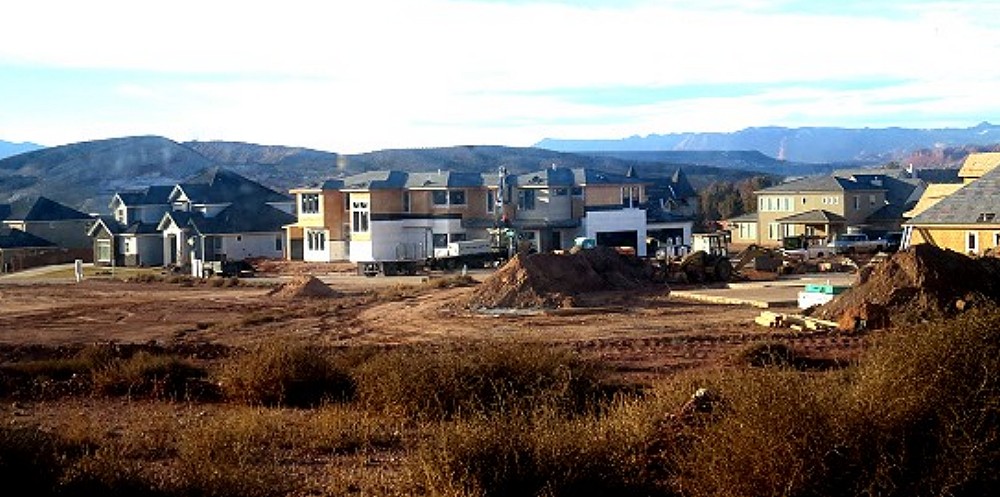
{"type": "Point", "coordinates": [86, 175]}
{"type": "Point", "coordinates": [814, 145]}
{"type": "Point", "coordinates": [746, 160]}
{"type": "Point", "coordinates": [8, 149]}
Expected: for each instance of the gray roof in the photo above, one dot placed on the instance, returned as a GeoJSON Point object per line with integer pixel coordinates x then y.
{"type": "Point", "coordinates": [814, 216]}
{"type": "Point", "coordinates": [153, 195]}
{"type": "Point", "coordinates": [43, 209]}
{"type": "Point", "coordinates": [4, 211]}
{"type": "Point", "coordinates": [243, 218]}
{"type": "Point", "coordinates": [975, 203]}
{"type": "Point", "coordinates": [818, 184]}
{"type": "Point", "coordinates": [375, 180]}
{"type": "Point", "coordinates": [221, 186]}
{"type": "Point", "coordinates": [12, 238]}
{"type": "Point", "coordinates": [750, 217]}
{"type": "Point", "coordinates": [115, 228]}
{"type": "Point", "coordinates": [679, 185]}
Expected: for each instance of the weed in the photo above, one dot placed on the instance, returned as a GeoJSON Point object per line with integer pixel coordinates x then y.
{"type": "Point", "coordinates": [280, 373]}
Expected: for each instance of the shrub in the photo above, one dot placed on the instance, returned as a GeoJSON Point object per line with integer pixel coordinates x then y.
{"type": "Point", "coordinates": [540, 453]}
{"type": "Point", "coordinates": [31, 461]}
{"type": "Point", "coordinates": [145, 374]}
{"type": "Point", "coordinates": [234, 455]}
{"type": "Point", "coordinates": [767, 354]}
{"type": "Point", "coordinates": [280, 373]}
{"type": "Point", "coordinates": [429, 383]}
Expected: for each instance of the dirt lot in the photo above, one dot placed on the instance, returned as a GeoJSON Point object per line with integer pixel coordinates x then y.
{"type": "Point", "coordinates": [642, 332]}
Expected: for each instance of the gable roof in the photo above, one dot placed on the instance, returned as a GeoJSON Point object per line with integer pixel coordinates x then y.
{"type": "Point", "coordinates": [750, 217]}
{"type": "Point", "coordinates": [976, 165]}
{"type": "Point", "coordinates": [679, 186]}
{"type": "Point", "coordinates": [375, 180]}
{"type": "Point", "coordinates": [221, 186]}
{"type": "Point", "coordinates": [243, 218]}
{"type": "Point", "coordinates": [43, 209]}
{"type": "Point", "coordinates": [817, 184]}
{"type": "Point", "coordinates": [814, 216]}
{"type": "Point", "coordinates": [13, 238]}
{"type": "Point", "coordinates": [153, 195]}
{"type": "Point", "coordinates": [976, 203]}
{"type": "Point", "coordinates": [933, 194]}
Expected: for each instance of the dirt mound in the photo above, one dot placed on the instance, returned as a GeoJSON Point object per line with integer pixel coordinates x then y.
{"type": "Point", "coordinates": [303, 286]}
{"type": "Point", "coordinates": [921, 283]}
{"type": "Point", "coordinates": [551, 280]}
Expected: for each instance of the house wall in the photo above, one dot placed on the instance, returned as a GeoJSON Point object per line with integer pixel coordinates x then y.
{"type": "Point", "coordinates": [956, 238]}
{"type": "Point", "coordinates": [602, 195]}
{"type": "Point", "coordinates": [147, 250]}
{"type": "Point", "coordinates": [66, 234]}
{"type": "Point", "coordinates": [237, 247]}
{"type": "Point", "coordinates": [179, 247]}
{"type": "Point", "coordinates": [744, 233]}
{"type": "Point", "coordinates": [548, 205]}
{"type": "Point", "coordinates": [103, 236]}
{"type": "Point", "coordinates": [597, 222]}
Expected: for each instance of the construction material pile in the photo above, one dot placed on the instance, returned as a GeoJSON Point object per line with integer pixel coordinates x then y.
{"type": "Point", "coordinates": [919, 284]}
{"type": "Point", "coordinates": [552, 280]}
{"type": "Point", "coordinates": [303, 286]}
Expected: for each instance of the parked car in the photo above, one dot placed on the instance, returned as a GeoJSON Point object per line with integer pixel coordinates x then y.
{"type": "Point", "coordinates": [892, 241]}
{"type": "Point", "coordinates": [850, 243]}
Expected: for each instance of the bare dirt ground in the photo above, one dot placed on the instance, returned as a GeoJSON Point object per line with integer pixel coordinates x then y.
{"type": "Point", "coordinates": [643, 332]}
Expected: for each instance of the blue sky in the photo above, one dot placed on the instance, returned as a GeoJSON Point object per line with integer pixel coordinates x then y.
{"type": "Point", "coordinates": [359, 76]}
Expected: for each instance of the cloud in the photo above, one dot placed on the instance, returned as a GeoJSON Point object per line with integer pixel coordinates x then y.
{"type": "Point", "coordinates": [358, 75]}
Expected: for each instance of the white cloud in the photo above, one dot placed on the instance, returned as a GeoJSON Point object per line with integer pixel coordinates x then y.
{"type": "Point", "coordinates": [358, 75]}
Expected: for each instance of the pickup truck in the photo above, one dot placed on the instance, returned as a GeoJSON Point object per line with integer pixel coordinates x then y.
{"type": "Point", "coordinates": [851, 243]}
{"type": "Point", "coordinates": [805, 247]}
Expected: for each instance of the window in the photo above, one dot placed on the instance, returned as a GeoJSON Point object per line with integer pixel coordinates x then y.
{"type": "Point", "coordinates": [491, 201]}
{"type": "Point", "coordinates": [359, 217]}
{"type": "Point", "coordinates": [773, 231]}
{"type": "Point", "coordinates": [315, 240]}
{"type": "Point", "coordinates": [630, 196]}
{"type": "Point", "coordinates": [104, 250]}
{"type": "Point", "coordinates": [128, 246]}
{"type": "Point", "coordinates": [443, 198]}
{"type": "Point", "coordinates": [217, 243]}
{"type": "Point", "coordinates": [577, 191]}
{"type": "Point", "coordinates": [560, 192]}
{"type": "Point", "coordinates": [406, 201]}
{"type": "Point", "coordinates": [871, 200]}
{"type": "Point", "coordinates": [277, 244]}
{"type": "Point", "coordinates": [310, 203]}
{"type": "Point", "coordinates": [440, 240]}
{"type": "Point", "coordinates": [857, 202]}
{"type": "Point", "coordinates": [456, 237]}
{"type": "Point", "coordinates": [526, 200]}
{"type": "Point", "coordinates": [972, 242]}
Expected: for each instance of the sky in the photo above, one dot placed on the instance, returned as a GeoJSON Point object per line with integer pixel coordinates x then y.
{"type": "Point", "coordinates": [356, 76]}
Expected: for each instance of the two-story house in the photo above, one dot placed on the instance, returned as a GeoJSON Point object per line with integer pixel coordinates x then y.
{"type": "Point", "coordinates": [216, 215]}
{"type": "Point", "coordinates": [868, 200]}
{"type": "Point", "coordinates": [395, 215]}
{"type": "Point", "coordinates": [45, 218]}
{"type": "Point", "coordinates": [961, 216]}
{"type": "Point", "coordinates": [130, 233]}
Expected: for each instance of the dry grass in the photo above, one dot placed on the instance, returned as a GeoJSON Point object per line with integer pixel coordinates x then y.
{"type": "Point", "coordinates": [280, 373]}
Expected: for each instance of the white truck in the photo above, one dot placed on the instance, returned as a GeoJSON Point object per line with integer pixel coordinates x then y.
{"type": "Point", "coordinates": [851, 243]}
{"type": "Point", "coordinates": [805, 247]}
{"type": "Point", "coordinates": [467, 253]}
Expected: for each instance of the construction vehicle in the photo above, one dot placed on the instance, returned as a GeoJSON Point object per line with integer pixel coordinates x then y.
{"type": "Point", "coordinates": [707, 262]}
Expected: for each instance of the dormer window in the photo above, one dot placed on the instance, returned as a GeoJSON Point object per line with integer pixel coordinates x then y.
{"type": "Point", "coordinates": [986, 217]}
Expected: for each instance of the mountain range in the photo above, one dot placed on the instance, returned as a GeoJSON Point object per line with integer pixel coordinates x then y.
{"type": "Point", "coordinates": [8, 149]}
{"type": "Point", "coordinates": [811, 144]}
{"type": "Point", "coordinates": [86, 175]}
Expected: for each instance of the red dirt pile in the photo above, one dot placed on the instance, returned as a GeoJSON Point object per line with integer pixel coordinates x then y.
{"type": "Point", "coordinates": [303, 286]}
{"type": "Point", "coordinates": [551, 280]}
{"type": "Point", "coordinates": [919, 284]}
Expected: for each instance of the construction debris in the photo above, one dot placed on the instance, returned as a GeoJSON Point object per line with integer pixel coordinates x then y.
{"type": "Point", "coordinates": [797, 322]}
{"type": "Point", "coordinates": [919, 284]}
{"type": "Point", "coordinates": [303, 286]}
{"type": "Point", "coordinates": [552, 280]}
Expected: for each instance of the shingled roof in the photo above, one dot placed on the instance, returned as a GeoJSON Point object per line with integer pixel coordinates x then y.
{"type": "Point", "coordinates": [977, 203]}
{"type": "Point", "coordinates": [153, 195]}
{"type": "Point", "coordinates": [13, 238]}
{"type": "Point", "coordinates": [43, 209]}
{"type": "Point", "coordinates": [814, 216]}
{"type": "Point", "coordinates": [221, 186]}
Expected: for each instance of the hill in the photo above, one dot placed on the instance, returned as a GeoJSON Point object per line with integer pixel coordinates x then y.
{"type": "Point", "coordinates": [811, 144]}
{"type": "Point", "coordinates": [8, 149]}
{"type": "Point", "coordinates": [86, 175]}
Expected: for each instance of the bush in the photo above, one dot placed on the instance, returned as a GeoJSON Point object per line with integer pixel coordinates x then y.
{"type": "Point", "coordinates": [149, 375]}
{"type": "Point", "coordinates": [541, 453]}
{"type": "Point", "coordinates": [280, 373]}
{"type": "Point", "coordinates": [31, 461]}
{"type": "Point", "coordinates": [434, 384]}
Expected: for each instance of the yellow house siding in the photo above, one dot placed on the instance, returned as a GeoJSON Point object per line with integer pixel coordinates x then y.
{"type": "Point", "coordinates": [956, 237]}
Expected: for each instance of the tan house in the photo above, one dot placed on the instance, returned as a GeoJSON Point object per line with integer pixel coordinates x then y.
{"type": "Point", "coordinates": [965, 220]}
{"type": "Point", "coordinates": [870, 200]}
